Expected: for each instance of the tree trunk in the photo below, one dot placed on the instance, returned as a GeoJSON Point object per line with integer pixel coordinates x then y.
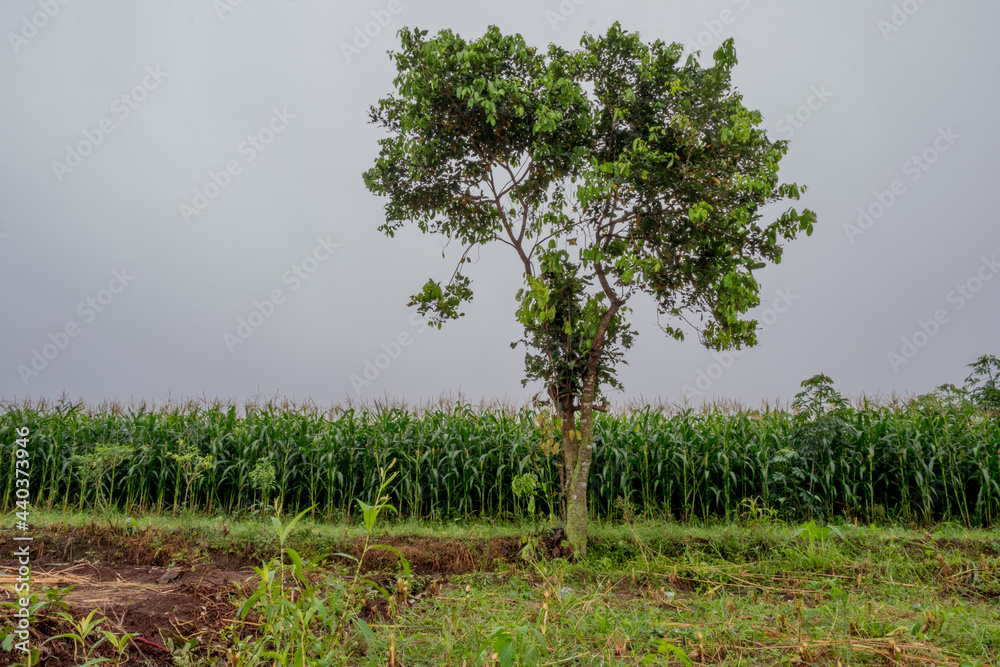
{"type": "Point", "coordinates": [578, 470]}
{"type": "Point", "coordinates": [569, 452]}
{"type": "Point", "coordinates": [577, 452]}
{"type": "Point", "coordinates": [564, 412]}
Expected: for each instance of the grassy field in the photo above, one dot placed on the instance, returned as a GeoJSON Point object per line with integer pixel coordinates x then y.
{"type": "Point", "coordinates": [753, 591]}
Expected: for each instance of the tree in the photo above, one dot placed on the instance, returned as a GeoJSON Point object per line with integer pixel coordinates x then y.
{"type": "Point", "coordinates": [610, 170]}
{"type": "Point", "coordinates": [983, 384]}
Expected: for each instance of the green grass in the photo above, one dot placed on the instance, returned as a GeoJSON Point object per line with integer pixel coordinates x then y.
{"type": "Point", "coordinates": [748, 592]}
{"type": "Point", "coordinates": [742, 594]}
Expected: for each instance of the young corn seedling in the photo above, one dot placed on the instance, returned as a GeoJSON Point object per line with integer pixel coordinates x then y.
{"type": "Point", "coordinates": [286, 627]}
{"type": "Point", "coordinates": [80, 632]}
{"type": "Point", "coordinates": [119, 642]}
{"type": "Point", "coordinates": [370, 514]}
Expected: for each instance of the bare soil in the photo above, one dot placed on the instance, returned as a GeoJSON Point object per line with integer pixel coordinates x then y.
{"type": "Point", "coordinates": [155, 603]}
{"type": "Point", "coordinates": [169, 588]}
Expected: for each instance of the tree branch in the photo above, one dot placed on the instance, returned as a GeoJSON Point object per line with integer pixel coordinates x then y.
{"type": "Point", "coordinates": [515, 242]}
{"type": "Point", "coordinates": [461, 261]}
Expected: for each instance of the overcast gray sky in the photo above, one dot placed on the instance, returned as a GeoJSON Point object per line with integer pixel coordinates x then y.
{"type": "Point", "coordinates": [166, 167]}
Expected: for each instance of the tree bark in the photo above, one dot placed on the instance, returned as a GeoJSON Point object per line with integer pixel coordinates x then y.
{"type": "Point", "coordinates": [578, 468]}
{"type": "Point", "coordinates": [578, 471]}
{"type": "Point", "coordinates": [570, 447]}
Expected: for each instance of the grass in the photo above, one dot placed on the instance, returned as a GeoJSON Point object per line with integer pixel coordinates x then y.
{"type": "Point", "coordinates": [747, 592]}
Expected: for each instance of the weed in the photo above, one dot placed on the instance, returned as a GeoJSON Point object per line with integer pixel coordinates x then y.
{"type": "Point", "coordinates": [93, 467]}
{"type": "Point", "coordinates": [298, 621]}
{"type": "Point", "coordinates": [191, 466]}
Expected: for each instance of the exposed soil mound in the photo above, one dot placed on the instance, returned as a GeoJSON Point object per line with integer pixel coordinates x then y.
{"type": "Point", "coordinates": [169, 587]}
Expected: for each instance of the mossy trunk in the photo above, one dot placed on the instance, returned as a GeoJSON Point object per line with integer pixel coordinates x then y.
{"type": "Point", "coordinates": [578, 448]}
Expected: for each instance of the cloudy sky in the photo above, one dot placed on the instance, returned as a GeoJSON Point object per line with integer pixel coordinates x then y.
{"type": "Point", "coordinates": [182, 212]}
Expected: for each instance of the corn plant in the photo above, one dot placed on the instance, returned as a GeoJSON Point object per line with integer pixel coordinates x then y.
{"type": "Point", "coordinates": [934, 458]}
{"type": "Point", "coordinates": [370, 514]}
{"type": "Point", "coordinates": [298, 621]}
{"type": "Point", "coordinates": [288, 619]}
{"type": "Point", "coordinates": [80, 633]}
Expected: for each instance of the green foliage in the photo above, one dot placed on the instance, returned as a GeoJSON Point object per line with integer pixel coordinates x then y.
{"type": "Point", "coordinates": [290, 623]}
{"type": "Point", "coordinates": [81, 631]}
{"type": "Point", "coordinates": [935, 458]}
{"type": "Point", "coordinates": [524, 644]}
{"type": "Point", "coordinates": [92, 467]}
{"type": "Point", "coordinates": [524, 486]}
{"type": "Point", "coordinates": [711, 594]}
{"type": "Point", "coordinates": [310, 621]}
{"type": "Point", "coordinates": [822, 431]}
{"type": "Point", "coordinates": [983, 384]}
{"type": "Point", "coordinates": [816, 535]}
{"type": "Point", "coordinates": [753, 513]}
{"type": "Point", "coordinates": [652, 160]}
{"type": "Point", "coordinates": [52, 606]}
{"type": "Point", "coordinates": [190, 465]}
{"type": "Point", "coordinates": [263, 478]}
{"type": "Point", "coordinates": [665, 647]}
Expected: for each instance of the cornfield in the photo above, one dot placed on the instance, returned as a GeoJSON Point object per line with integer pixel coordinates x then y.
{"type": "Point", "coordinates": [921, 462]}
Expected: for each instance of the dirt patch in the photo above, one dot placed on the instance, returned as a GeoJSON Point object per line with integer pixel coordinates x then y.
{"type": "Point", "coordinates": [119, 546]}
{"type": "Point", "coordinates": [157, 604]}
{"type": "Point", "coordinates": [428, 556]}
{"type": "Point", "coordinates": [432, 556]}
{"type": "Point", "coordinates": [553, 544]}
{"type": "Point", "coordinates": [170, 587]}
